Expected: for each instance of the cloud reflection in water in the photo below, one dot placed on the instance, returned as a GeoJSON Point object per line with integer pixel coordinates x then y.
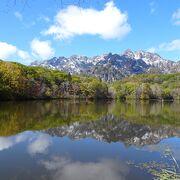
{"type": "Point", "coordinates": [104, 169]}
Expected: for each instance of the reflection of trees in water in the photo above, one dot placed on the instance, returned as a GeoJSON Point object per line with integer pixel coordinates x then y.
{"type": "Point", "coordinates": [155, 108]}
{"type": "Point", "coordinates": [153, 113]}
{"type": "Point", "coordinates": [38, 115]}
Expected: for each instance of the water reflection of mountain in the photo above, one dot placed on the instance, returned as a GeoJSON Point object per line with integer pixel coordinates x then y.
{"type": "Point", "coordinates": [130, 122]}
{"type": "Point", "coordinates": [112, 129]}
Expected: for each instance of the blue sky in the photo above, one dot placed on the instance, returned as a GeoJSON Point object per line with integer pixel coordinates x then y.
{"type": "Point", "coordinates": [43, 29]}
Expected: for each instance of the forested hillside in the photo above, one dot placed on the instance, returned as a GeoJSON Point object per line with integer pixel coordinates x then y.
{"type": "Point", "coordinates": [18, 81]}
{"type": "Point", "coordinates": [24, 82]}
{"type": "Point", "coordinates": [148, 86]}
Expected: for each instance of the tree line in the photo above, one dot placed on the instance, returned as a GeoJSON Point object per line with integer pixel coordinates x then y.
{"type": "Point", "coordinates": [18, 81]}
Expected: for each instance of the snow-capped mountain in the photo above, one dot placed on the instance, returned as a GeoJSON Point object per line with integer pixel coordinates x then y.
{"type": "Point", "coordinates": [112, 67]}
{"type": "Point", "coordinates": [156, 61]}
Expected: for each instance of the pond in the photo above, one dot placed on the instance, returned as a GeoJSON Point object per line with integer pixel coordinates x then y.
{"type": "Point", "coordinates": [72, 140]}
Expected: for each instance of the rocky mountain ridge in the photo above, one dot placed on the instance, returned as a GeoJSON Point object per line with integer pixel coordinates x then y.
{"type": "Point", "coordinates": [110, 67]}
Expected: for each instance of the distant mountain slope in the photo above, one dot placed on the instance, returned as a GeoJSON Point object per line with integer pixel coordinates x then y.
{"type": "Point", "coordinates": [110, 67]}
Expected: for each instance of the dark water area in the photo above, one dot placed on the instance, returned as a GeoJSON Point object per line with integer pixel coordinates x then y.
{"type": "Point", "coordinates": [71, 140]}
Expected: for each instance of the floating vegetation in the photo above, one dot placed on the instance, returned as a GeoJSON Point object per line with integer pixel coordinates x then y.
{"type": "Point", "coordinates": [163, 170]}
{"type": "Point", "coordinates": [172, 172]}
{"type": "Point", "coordinates": [165, 174]}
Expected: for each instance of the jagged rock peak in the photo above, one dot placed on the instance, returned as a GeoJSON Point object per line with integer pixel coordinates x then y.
{"type": "Point", "coordinates": [129, 53]}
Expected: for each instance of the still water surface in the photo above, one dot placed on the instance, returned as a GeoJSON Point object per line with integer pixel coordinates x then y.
{"type": "Point", "coordinates": [69, 140]}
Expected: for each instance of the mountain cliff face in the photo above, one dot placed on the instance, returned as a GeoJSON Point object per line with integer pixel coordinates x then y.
{"type": "Point", "coordinates": [110, 67]}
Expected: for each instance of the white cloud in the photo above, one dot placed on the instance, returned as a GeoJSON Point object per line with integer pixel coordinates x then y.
{"type": "Point", "coordinates": [18, 16]}
{"type": "Point", "coordinates": [41, 49]}
{"type": "Point", "coordinates": [176, 17]}
{"type": "Point", "coordinates": [40, 145]}
{"type": "Point", "coordinates": [7, 50]}
{"type": "Point", "coordinates": [171, 46]}
{"type": "Point", "coordinates": [108, 23]}
{"type": "Point", "coordinates": [26, 24]}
